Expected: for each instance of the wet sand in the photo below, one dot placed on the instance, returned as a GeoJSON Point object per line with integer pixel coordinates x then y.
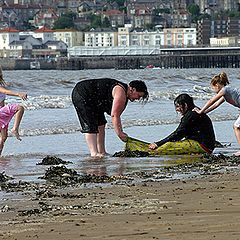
{"type": "Point", "coordinates": [202, 207]}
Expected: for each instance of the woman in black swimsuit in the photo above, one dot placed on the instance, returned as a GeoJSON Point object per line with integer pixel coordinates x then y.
{"type": "Point", "coordinates": [94, 97]}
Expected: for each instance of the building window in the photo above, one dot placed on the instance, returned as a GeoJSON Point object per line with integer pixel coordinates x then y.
{"type": "Point", "coordinates": [179, 43]}
{"type": "Point", "coordinates": [135, 43]}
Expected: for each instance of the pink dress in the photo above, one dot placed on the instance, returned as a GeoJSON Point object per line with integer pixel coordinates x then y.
{"type": "Point", "coordinates": [6, 112]}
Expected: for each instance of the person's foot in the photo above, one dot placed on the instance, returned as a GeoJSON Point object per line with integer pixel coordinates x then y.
{"type": "Point", "coordinates": [237, 154]}
{"type": "Point", "coordinates": [105, 154]}
{"type": "Point", "coordinates": [97, 156]}
{"type": "Point", "coordinates": [16, 134]}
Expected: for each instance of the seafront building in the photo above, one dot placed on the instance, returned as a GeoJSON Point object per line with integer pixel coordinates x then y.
{"type": "Point", "coordinates": [100, 38]}
{"type": "Point", "coordinates": [71, 37]}
{"type": "Point", "coordinates": [134, 24]}
{"type": "Point", "coordinates": [223, 42]}
{"type": "Point", "coordinates": [36, 44]}
{"type": "Point", "coordinates": [133, 41]}
{"type": "Point", "coordinates": [45, 42]}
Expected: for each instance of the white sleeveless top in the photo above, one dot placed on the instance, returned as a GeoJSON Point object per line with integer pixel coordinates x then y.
{"type": "Point", "coordinates": [232, 95]}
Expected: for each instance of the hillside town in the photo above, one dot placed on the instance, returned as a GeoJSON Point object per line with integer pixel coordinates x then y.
{"type": "Point", "coordinates": [51, 29]}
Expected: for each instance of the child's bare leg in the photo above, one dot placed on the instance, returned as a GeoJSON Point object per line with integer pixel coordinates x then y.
{"type": "Point", "coordinates": [3, 138]}
{"type": "Point", "coordinates": [17, 121]}
{"type": "Point", "coordinates": [237, 133]}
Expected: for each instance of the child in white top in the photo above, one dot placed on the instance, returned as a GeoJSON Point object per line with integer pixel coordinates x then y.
{"type": "Point", "coordinates": [8, 111]}
{"type": "Point", "coordinates": [223, 93]}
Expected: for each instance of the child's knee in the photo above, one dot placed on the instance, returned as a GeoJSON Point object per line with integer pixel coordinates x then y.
{"type": "Point", "coordinates": [3, 139]}
{"type": "Point", "coordinates": [236, 127]}
{"type": "Point", "coordinates": [20, 108]}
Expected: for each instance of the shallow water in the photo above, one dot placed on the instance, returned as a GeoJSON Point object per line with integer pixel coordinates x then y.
{"type": "Point", "coordinates": [50, 125]}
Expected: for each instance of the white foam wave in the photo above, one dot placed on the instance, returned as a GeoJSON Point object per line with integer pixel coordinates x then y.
{"type": "Point", "coordinates": [49, 131]}
{"type": "Point", "coordinates": [197, 92]}
{"type": "Point", "coordinates": [44, 101]}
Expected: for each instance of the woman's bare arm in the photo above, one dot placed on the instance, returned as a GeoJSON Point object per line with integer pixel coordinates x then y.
{"type": "Point", "coordinates": [119, 102]}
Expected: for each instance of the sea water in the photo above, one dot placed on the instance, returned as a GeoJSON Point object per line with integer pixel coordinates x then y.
{"type": "Point", "coordinates": [50, 125]}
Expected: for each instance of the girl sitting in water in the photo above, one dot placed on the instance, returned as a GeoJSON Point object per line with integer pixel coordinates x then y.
{"type": "Point", "coordinates": [223, 93]}
{"type": "Point", "coordinates": [197, 129]}
{"type": "Point", "coordinates": [8, 111]}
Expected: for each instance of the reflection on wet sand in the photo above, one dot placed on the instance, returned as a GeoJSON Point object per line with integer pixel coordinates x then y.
{"type": "Point", "coordinates": [102, 167]}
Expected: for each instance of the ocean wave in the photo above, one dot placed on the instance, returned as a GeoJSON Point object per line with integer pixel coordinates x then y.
{"type": "Point", "coordinates": [197, 92]}
{"type": "Point", "coordinates": [64, 101]}
{"type": "Point", "coordinates": [73, 128]}
{"type": "Point", "coordinates": [50, 130]}
{"type": "Point", "coordinates": [45, 101]}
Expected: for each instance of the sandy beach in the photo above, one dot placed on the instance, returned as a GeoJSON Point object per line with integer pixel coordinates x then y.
{"type": "Point", "coordinates": [206, 206]}
{"type": "Point", "coordinates": [129, 198]}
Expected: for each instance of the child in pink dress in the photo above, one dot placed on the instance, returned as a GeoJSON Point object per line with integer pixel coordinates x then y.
{"type": "Point", "coordinates": [8, 111]}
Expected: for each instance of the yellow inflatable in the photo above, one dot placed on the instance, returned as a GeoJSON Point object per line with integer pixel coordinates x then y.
{"type": "Point", "coordinates": [169, 148]}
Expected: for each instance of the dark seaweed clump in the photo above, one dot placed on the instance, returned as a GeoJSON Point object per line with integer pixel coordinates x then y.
{"type": "Point", "coordinates": [60, 175]}
{"type": "Point", "coordinates": [4, 177]}
{"type": "Point", "coordinates": [52, 160]}
{"type": "Point", "coordinates": [57, 173]}
{"type": "Point", "coordinates": [128, 153]}
{"type": "Point", "coordinates": [221, 158]}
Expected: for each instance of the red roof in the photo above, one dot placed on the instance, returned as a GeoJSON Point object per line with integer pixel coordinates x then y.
{"type": "Point", "coordinates": [9, 29]}
{"type": "Point", "coordinates": [113, 12]}
{"type": "Point", "coordinates": [43, 29]}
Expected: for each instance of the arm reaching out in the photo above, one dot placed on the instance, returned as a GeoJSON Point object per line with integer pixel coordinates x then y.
{"type": "Point", "coordinates": [212, 104]}
{"type": "Point", "coordinates": [12, 93]}
{"type": "Point", "coordinates": [119, 101]}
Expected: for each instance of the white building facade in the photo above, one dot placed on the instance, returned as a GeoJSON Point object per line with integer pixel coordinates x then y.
{"type": "Point", "coordinates": [70, 36]}
{"type": "Point", "coordinates": [95, 38]}
{"type": "Point", "coordinates": [44, 33]}
{"type": "Point", "coordinates": [180, 37]}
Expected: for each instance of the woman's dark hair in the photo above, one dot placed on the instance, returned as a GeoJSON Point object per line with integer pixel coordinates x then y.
{"type": "Point", "coordinates": [140, 86]}
{"type": "Point", "coordinates": [183, 99]}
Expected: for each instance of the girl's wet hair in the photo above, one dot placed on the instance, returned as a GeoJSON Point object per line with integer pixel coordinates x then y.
{"type": "Point", "coordinates": [2, 82]}
{"type": "Point", "coordinates": [184, 99]}
{"type": "Point", "coordinates": [221, 79]}
{"type": "Point", "coordinates": [140, 86]}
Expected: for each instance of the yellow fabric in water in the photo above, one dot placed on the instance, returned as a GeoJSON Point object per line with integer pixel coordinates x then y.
{"type": "Point", "coordinates": [169, 148]}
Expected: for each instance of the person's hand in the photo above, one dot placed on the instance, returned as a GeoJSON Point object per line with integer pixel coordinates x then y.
{"type": "Point", "coordinates": [123, 136]}
{"type": "Point", "coordinates": [152, 146]}
{"type": "Point", "coordinates": [196, 109]}
{"type": "Point", "coordinates": [23, 96]}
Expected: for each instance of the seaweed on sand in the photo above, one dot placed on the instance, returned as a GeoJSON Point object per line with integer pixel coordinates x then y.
{"type": "Point", "coordinates": [60, 175]}
{"type": "Point", "coordinates": [128, 153]}
{"type": "Point", "coordinates": [4, 177]}
{"type": "Point", "coordinates": [52, 160]}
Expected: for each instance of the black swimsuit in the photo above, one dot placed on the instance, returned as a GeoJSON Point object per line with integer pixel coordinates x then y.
{"type": "Point", "coordinates": [91, 99]}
